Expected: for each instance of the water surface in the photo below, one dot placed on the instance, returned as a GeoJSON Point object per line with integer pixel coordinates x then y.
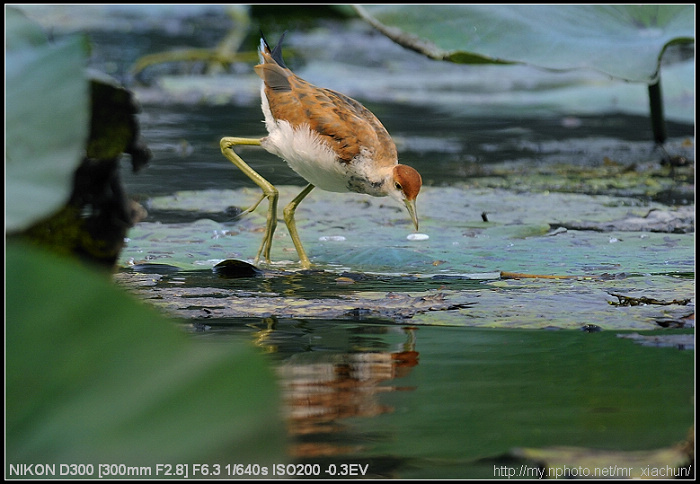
{"type": "Point", "coordinates": [441, 402]}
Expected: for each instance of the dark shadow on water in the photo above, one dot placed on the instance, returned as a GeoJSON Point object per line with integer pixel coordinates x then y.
{"type": "Point", "coordinates": [307, 284]}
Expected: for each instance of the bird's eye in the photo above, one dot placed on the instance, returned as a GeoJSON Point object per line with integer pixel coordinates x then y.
{"type": "Point", "coordinates": [397, 186]}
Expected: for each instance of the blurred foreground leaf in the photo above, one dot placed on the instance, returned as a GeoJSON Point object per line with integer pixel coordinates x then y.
{"type": "Point", "coordinates": [96, 217]}
{"type": "Point", "coordinates": [94, 376]}
{"type": "Point", "coordinates": [46, 120]}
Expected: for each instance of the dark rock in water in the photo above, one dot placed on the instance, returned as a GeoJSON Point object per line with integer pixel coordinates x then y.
{"type": "Point", "coordinates": [232, 268]}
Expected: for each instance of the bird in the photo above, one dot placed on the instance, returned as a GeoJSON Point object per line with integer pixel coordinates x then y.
{"type": "Point", "coordinates": [328, 138]}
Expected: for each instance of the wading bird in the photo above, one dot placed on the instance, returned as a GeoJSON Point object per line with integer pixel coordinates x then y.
{"type": "Point", "coordinates": [329, 139]}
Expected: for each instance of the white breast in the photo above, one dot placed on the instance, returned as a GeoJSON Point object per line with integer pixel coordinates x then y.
{"type": "Point", "coordinates": [305, 152]}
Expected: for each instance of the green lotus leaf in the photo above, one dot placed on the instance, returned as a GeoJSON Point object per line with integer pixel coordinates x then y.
{"type": "Point", "coordinates": [624, 41]}
{"type": "Point", "coordinates": [47, 109]}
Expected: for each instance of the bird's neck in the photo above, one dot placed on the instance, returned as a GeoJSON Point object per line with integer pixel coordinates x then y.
{"type": "Point", "coordinates": [370, 179]}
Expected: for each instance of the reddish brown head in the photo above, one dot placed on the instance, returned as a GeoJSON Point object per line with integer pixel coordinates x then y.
{"type": "Point", "coordinates": [407, 183]}
{"type": "Point", "coordinates": [408, 180]}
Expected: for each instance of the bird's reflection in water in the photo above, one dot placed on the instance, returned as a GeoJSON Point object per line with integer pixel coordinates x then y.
{"type": "Point", "coordinates": [330, 372]}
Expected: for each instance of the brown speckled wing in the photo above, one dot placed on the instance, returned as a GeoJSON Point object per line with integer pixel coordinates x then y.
{"type": "Point", "coordinates": [345, 123]}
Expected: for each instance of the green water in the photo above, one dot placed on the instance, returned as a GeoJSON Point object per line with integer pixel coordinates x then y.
{"type": "Point", "coordinates": [439, 402]}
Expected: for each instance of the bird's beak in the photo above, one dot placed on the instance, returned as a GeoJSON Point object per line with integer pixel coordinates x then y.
{"type": "Point", "coordinates": [411, 206]}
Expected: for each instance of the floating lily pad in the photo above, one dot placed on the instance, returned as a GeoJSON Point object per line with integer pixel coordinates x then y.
{"type": "Point", "coordinates": [451, 278]}
{"type": "Point", "coordinates": [582, 463]}
{"type": "Point", "coordinates": [680, 341]}
{"type": "Point", "coordinates": [371, 236]}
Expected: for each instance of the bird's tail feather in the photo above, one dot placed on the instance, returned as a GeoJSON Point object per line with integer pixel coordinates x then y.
{"type": "Point", "coordinates": [276, 53]}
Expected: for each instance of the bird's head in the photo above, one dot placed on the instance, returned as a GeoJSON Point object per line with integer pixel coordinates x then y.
{"type": "Point", "coordinates": [405, 185]}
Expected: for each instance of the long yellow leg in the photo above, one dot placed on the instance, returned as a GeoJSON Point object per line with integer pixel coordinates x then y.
{"type": "Point", "coordinates": [269, 191]}
{"type": "Point", "coordinates": [292, 226]}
